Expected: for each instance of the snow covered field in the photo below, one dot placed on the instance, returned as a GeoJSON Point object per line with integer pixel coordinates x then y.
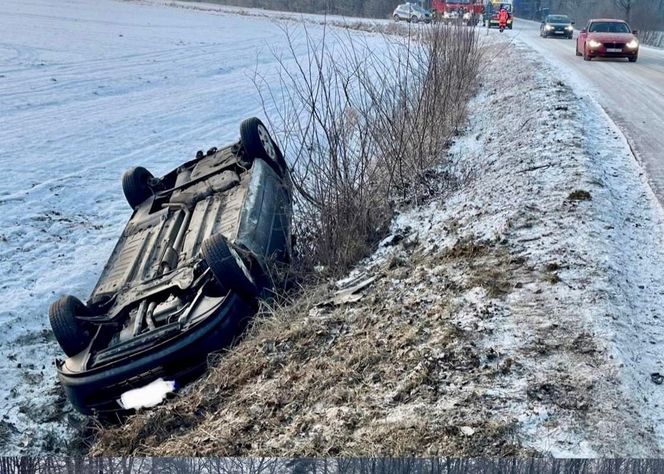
{"type": "Point", "coordinates": [88, 89]}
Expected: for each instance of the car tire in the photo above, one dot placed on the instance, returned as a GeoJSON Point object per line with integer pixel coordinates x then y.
{"type": "Point", "coordinates": [576, 50]}
{"type": "Point", "coordinates": [258, 143]}
{"type": "Point", "coordinates": [228, 268]}
{"type": "Point", "coordinates": [396, 18]}
{"type": "Point", "coordinates": [68, 331]}
{"type": "Point", "coordinates": [632, 59]}
{"type": "Point", "coordinates": [586, 57]}
{"type": "Point", "coordinates": [413, 19]}
{"type": "Point", "coordinates": [136, 185]}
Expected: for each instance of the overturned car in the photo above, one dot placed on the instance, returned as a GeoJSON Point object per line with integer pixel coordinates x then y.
{"type": "Point", "coordinates": [201, 248]}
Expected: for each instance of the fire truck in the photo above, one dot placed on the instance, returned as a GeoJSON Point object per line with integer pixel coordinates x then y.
{"type": "Point", "coordinates": [468, 12]}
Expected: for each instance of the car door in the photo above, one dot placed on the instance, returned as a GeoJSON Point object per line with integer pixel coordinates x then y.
{"type": "Point", "coordinates": [402, 12]}
{"type": "Point", "coordinates": [265, 221]}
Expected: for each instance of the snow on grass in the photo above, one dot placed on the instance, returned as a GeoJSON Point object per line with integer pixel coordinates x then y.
{"type": "Point", "coordinates": [558, 186]}
{"type": "Point", "coordinates": [88, 89]}
{"type": "Point", "coordinates": [626, 236]}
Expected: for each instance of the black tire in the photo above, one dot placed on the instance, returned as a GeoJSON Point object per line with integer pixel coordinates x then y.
{"type": "Point", "coordinates": [68, 331]}
{"type": "Point", "coordinates": [228, 267]}
{"type": "Point", "coordinates": [576, 50]}
{"type": "Point", "coordinates": [258, 143]}
{"type": "Point", "coordinates": [585, 55]}
{"type": "Point", "coordinates": [136, 185]}
{"type": "Point", "coordinates": [632, 59]}
{"type": "Point", "coordinates": [396, 18]}
{"type": "Point", "coordinates": [413, 19]}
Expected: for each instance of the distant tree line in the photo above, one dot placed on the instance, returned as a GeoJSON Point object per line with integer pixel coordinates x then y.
{"type": "Point", "coordinates": [51, 465]}
{"type": "Point", "coordinates": [355, 8]}
{"type": "Point", "coordinates": [642, 14]}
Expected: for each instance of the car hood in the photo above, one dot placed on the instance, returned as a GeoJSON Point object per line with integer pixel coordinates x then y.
{"type": "Point", "coordinates": [611, 37]}
{"type": "Point", "coordinates": [560, 24]}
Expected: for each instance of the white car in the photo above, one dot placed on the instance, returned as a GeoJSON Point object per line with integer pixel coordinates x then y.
{"type": "Point", "coordinates": [411, 12]}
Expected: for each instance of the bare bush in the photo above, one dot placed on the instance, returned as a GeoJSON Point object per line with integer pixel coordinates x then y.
{"type": "Point", "coordinates": [361, 126]}
{"type": "Point", "coordinates": [654, 38]}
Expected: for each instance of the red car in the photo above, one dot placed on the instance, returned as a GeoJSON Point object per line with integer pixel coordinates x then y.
{"type": "Point", "coordinates": [609, 39]}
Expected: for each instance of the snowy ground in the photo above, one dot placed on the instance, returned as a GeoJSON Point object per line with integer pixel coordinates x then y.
{"type": "Point", "coordinates": [88, 89]}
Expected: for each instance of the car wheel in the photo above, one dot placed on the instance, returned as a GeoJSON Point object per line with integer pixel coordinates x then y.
{"type": "Point", "coordinates": [396, 18]}
{"type": "Point", "coordinates": [576, 50]}
{"type": "Point", "coordinates": [413, 19]}
{"type": "Point", "coordinates": [68, 331]}
{"type": "Point", "coordinates": [632, 59]}
{"type": "Point", "coordinates": [228, 268]}
{"type": "Point", "coordinates": [136, 185]}
{"type": "Point", "coordinates": [586, 57]}
{"type": "Point", "coordinates": [258, 143]}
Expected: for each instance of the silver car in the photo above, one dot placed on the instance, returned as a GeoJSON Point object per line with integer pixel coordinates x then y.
{"type": "Point", "coordinates": [411, 12]}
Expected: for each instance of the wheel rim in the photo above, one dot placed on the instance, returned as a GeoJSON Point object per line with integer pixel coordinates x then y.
{"type": "Point", "coordinates": [266, 141]}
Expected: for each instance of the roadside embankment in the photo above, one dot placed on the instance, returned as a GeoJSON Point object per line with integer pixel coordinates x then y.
{"type": "Point", "coordinates": [516, 314]}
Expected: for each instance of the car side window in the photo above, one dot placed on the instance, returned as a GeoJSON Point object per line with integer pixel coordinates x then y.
{"type": "Point", "coordinates": [589, 27]}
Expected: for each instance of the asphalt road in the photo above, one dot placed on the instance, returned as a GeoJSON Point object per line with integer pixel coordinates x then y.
{"type": "Point", "coordinates": [631, 93]}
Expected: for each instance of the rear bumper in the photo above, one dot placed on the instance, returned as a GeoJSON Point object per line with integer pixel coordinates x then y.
{"type": "Point", "coordinates": [96, 391]}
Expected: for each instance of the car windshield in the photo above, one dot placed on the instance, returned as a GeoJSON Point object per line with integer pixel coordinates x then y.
{"type": "Point", "coordinates": [608, 27]}
{"type": "Point", "coordinates": [557, 19]}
